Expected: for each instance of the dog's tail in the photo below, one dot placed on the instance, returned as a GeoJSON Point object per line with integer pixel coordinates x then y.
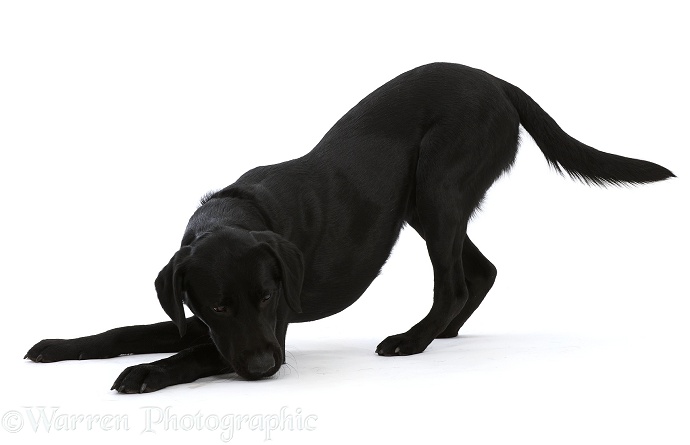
{"type": "Point", "coordinates": [580, 161]}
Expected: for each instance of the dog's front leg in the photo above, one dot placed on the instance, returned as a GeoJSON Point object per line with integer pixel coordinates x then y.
{"type": "Point", "coordinates": [142, 339]}
{"type": "Point", "coordinates": [184, 367]}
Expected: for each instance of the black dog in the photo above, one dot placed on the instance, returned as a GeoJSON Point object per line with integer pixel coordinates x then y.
{"type": "Point", "coordinates": [302, 240]}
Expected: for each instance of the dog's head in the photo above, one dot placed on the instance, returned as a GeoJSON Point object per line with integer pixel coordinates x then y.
{"type": "Point", "coordinates": [241, 284]}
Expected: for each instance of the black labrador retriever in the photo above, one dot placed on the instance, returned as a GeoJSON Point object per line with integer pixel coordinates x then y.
{"type": "Point", "coordinates": [302, 240]}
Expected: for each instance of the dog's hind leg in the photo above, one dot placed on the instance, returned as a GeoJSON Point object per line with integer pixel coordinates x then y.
{"type": "Point", "coordinates": [480, 275]}
{"type": "Point", "coordinates": [445, 200]}
{"type": "Point", "coordinates": [450, 293]}
{"type": "Point", "coordinates": [458, 162]}
{"type": "Point", "coordinates": [144, 339]}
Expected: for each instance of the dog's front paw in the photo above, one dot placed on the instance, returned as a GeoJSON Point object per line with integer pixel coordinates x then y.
{"type": "Point", "coordinates": [55, 350]}
{"type": "Point", "coordinates": [142, 378]}
{"type": "Point", "coordinates": [401, 344]}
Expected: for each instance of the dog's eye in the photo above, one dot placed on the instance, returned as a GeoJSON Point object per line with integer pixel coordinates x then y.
{"type": "Point", "coordinates": [220, 309]}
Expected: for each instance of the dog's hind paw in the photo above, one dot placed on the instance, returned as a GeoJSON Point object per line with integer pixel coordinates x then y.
{"type": "Point", "coordinates": [401, 344]}
{"type": "Point", "coordinates": [55, 350]}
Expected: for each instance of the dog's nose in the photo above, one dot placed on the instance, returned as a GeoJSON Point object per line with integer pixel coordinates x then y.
{"type": "Point", "coordinates": [260, 364]}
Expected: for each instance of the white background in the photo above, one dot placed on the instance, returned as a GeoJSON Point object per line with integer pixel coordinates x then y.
{"type": "Point", "coordinates": [116, 117]}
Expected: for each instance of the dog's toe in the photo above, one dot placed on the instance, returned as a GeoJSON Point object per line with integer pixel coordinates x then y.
{"type": "Point", "coordinates": [140, 379]}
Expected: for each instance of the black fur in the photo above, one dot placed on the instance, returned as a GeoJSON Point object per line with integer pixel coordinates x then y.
{"type": "Point", "coordinates": [303, 239]}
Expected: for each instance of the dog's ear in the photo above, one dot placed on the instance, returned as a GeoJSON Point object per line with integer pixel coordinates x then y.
{"type": "Point", "coordinates": [291, 265]}
{"type": "Point", "coordinates": [170, 291]}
